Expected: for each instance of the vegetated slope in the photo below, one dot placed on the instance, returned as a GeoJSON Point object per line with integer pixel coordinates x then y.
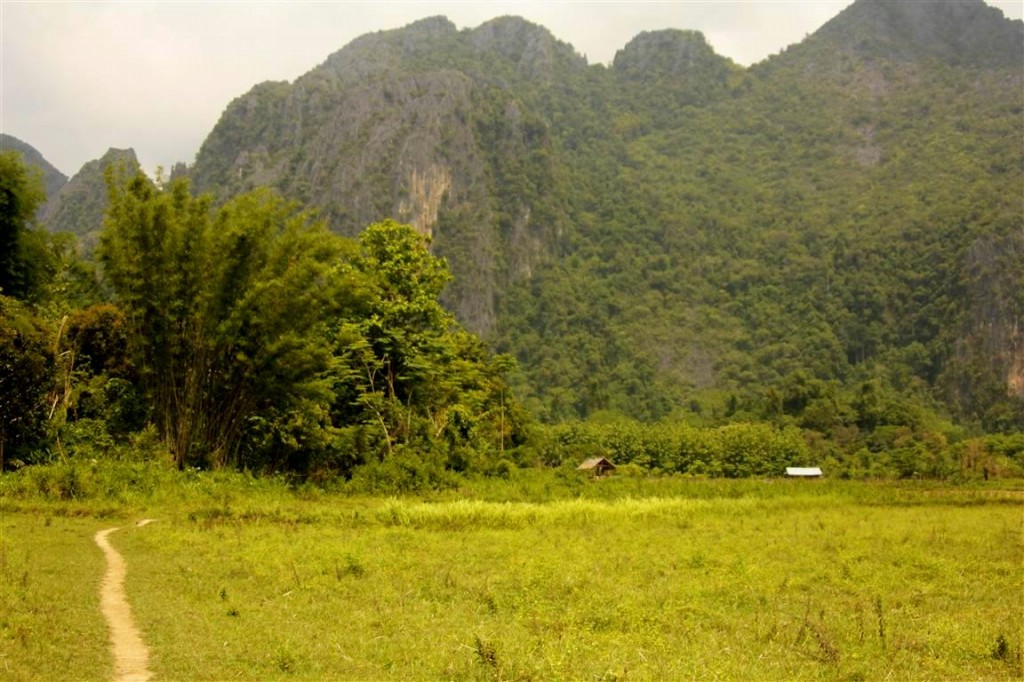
{"type": "Point", "coordinates": [53, 179]}
{"type": "Point", "coordinates": [80, 204]}
{"type": "Point", "coordinates": [422, 124]}
{"type": "Point", "coordinates": [677, 234]}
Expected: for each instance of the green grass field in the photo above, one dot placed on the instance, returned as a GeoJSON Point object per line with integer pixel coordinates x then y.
{"type": "Point", "coordinates": [625, 580]}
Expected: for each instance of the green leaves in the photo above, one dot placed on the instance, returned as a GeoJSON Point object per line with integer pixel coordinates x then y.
{"type": "Point", "coordinates": [410, 373]}
{"type": "Point", "coordinates": [26, 378]}
{"type": "Point", "coordinates": [229, 312]}
{"type": "Point", "coordinates": [263, 340]}
{"type": "Point", "coordinates": [25, 261]}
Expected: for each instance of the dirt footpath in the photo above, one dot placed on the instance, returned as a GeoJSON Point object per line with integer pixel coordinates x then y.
{"type": "Point", "coordinates": [130, 652]}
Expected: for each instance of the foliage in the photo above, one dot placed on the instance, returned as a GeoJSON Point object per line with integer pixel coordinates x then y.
{"type": "Point", "coordinates": [732, 451]}
{"type": "Point", "coordinates": [227, 314]}
{"type": "Point", "coordinates": [410, 371]}
{"type": "Point", "coordinates": [26, 380]}
{"type": "Point", "coordinates": [259, 339]}
{"type": "Point", "coordinates": [25, 261]}
{"type": "Point", "coordinates": [674, 235]}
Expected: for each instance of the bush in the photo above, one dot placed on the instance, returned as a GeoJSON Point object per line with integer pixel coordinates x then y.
{"type": "Point", "coordinates": [26, 378]}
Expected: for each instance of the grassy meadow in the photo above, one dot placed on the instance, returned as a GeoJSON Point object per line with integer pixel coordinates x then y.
{"type": "Point", "coordinates": [541, 577]}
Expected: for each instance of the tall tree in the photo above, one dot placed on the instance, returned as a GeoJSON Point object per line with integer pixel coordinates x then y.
{"type": "Point", "coordinates": [26, 377]}
{"type": "Point", "coordinates": [24, 257]}
{"type": "Point", "coordinates": [228, 312]}
{"type": "Point", "coordinates": [411, 370]}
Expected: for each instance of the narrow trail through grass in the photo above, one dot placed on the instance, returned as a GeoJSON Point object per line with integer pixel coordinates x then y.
{"type": "Point", "coordinates": [130, 653]}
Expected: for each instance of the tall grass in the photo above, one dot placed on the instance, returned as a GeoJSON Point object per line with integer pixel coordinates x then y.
{"type": "Point", "coordinates": [548, 575]}
{"type": "Point", "coordinates": [787, 588]}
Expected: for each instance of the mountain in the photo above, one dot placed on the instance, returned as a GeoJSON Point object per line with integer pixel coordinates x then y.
{"type": "Point", "coordinates": [53, 179]}
{"type": "Point", "coordinates": [831, 236]}
{"type": "Point", "coordinates": [421, 124]}
{"type": "Point", "coordinates": [81, 202]}
{"type": "Point", "coordinates": [956, 32]}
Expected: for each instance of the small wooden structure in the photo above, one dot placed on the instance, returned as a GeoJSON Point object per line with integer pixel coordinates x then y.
{"type": "Point", "coordinates": [599, 466]}
{"type": "Point", "coordinates": [803, 472]}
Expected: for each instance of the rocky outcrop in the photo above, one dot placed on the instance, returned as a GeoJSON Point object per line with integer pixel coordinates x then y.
{"type": "Point", "coordinates": [406, 124]}
{"type": "Point", "coordinates": [957, 32]}
{"type": "Point", "coordinates": [655, 55]}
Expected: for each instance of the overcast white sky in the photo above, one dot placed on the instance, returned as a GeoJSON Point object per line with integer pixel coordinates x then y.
{"type": "Point", "coordinates": [79, 77]}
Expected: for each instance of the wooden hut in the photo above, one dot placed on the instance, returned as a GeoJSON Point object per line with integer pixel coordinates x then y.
{"type": "Point", "coordinates": [598, 466]}
{"type": "Point", "coordinates": [803, 472]}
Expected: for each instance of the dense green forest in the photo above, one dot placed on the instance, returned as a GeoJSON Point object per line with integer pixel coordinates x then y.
{"type": "Point", "coordinates": [511, 258]}
{"type": "Point", "coordinates": [674, 235]}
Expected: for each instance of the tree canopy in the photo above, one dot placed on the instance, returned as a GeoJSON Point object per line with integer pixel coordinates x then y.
{"type": "Point", "coordinates": [262, 339]}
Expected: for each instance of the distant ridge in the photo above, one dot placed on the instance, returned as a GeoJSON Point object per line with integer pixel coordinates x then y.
{"type": "Point", "coordinates": [53, 179]}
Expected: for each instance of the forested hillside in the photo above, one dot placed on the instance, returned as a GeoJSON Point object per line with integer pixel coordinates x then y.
{"type": "Point", "coordinates": [521, 258]}
{"type": "Point", "coordinates": [675, 234]}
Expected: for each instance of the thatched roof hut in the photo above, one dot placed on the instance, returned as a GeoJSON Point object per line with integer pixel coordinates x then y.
{"type": "Point", "coordinates": [599, 466]}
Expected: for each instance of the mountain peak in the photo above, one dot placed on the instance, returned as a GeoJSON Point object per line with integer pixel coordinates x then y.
{"type": "Point", "coordinates": [958, 32]}
{"type": "Point", "coordinates": [80, 204]}
{"type": "Point", "coordinates": [374, 53]}
{"type": "Point", "coordinates": [531, 46]}
{"type": "Point", "coordinates": [674, 53]}
{"type": "Point", "coordinates": [433, 27]}
{"type": "Point", "coordinates": [115, 154]}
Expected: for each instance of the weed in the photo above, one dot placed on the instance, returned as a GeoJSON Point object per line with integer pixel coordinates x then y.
{"type": "Point", "coordinates": [1001, 649]}
{"type": "Point", "coordinates": [829, 652]}
{"type": "Point", "coordinates": [353, 567]}
{"type": "Point", "coordinates": [285, 660]}
{"type": "Point", "coordinates": [489, 602]}
{"type": "Point", "coordinates": [880, 616]}
{"type": "Point", "coordinates": [486, 653]}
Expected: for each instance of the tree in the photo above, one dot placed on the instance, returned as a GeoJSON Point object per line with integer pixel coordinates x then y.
{"type": "Point", "coordinates": [25, 262]}
{"type": "Point", "coordinates": [410, 371]}
{"type": "Point", "coordinates": [228, 315]}
{"type": "Point", "coordinates": [26, 376]}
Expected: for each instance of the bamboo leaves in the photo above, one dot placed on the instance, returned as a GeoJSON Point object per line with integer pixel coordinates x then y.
{"type": "Point", "coordinates": [263, 340]}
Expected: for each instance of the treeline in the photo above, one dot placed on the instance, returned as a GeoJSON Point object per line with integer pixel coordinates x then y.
{"type": "Point", "coordinates": [763, 449]}
{"type": "Point", "coordinates": [249, 336]}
